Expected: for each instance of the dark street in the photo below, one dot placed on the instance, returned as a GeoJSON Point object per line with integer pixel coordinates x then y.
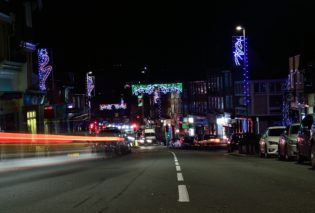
{"type": "Point", "coordinates": [147, 180]}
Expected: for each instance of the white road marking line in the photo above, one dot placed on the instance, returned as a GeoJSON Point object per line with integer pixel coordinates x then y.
{"type": "Point", "coordinates": [173, 154]}
{"type": "Point", "coordinates": [183, 194]}
{"type": "Point", "coordinates": [180, 177]}
{"type": "Point", "coordinates": [175, 158]}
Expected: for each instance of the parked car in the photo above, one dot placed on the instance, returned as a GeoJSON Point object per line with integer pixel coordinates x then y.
{"type": "Point", "coordinates": [233, 141]}
{"type": "Point", "coordinates": [306, 140]}
{"type": "Point", "coordinates": [268, 143]}
{"type": "Point", "coordinates": [248, 143]}
{"type": "Point", "coordinates": [287, 142]}
{"type": "Point", "coordinates": [176, 142]}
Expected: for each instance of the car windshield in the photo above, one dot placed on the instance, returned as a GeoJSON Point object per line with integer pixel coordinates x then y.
{"type": "Point", "coordinates": [276, 132]}
{"type": "Point", "coordinates": [149, 134]}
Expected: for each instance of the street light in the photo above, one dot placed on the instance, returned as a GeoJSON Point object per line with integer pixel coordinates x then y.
{"type": "Point", "coordinates": [239, 28]}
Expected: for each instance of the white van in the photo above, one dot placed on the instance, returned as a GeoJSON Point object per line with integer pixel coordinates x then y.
{"type": "Point", "coordinates": [149, 136]}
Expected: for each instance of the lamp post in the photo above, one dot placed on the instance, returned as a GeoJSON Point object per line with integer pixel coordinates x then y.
{"type": "Point", "coordinates": [239, 28]}
{"type": "Point", "coordinates": [88, 93]}
{"type": "Point", "coordinates": [245, 74]}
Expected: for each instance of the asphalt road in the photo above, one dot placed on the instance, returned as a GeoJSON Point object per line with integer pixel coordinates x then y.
{"type": "Point", "coordinates": [154, 179]}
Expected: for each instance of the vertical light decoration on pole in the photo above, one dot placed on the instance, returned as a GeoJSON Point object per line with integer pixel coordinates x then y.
{"type": "Point", "coordinates": [44, 67]}
{"type": "Point", "coordinates": [286, 120]}
{"type": "Point", "coordinates": [240, 54]}
{"type": "Point", "coordinates": [90, 85]}
{"type": "Point", "coordinates": [241, 60]}
{"type": "Point", "coordinates": [140, 104]}
{"type": "Point", "coordinates": [157, 100]}
{"type": "Point", "coordinates": [89, 88]}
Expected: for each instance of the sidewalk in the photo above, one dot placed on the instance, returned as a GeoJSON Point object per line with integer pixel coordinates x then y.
{"type": "Point", "coordinates": [28, 163]}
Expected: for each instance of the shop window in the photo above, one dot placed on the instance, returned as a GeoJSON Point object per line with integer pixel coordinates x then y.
{"type": "Point", "coordinates": [31, 122]}
{"type": "Point", "coordinates": [275, 100]}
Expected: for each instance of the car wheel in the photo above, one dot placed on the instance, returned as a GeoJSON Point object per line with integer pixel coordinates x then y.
{"type": "Point", "coordinates": [313, 156]}
{"type": "Point", "coordinates": [266, 152]}
{"type": "Point", "coordinates": [240, 149]}
{"type": "Point", "coordinates": [286, 155]}
{"type": "Point", "coordinates": [263, 154]}
{"type": "Point", "coordinates": [299, 157]}
{"type": "Point", "coordinates": [280, 157]}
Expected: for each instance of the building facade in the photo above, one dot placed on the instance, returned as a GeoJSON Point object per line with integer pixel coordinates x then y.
{"type": "Point", "coordinates": [20, 107]}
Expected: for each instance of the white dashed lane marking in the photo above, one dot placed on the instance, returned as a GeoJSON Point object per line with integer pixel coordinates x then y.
{"type": "Point", "coordinates": [180, 177]}
{"type": "Point", "coordinates": [183, 195]}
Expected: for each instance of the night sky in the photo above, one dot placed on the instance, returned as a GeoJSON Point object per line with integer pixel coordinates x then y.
{"type": "Point", "coordinates": [176, 41]}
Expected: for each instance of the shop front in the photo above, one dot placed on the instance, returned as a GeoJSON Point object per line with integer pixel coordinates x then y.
{"type": "Point", "coordinates": [10, 105]}
{"type": "Point", "coordinates": [33, 112]}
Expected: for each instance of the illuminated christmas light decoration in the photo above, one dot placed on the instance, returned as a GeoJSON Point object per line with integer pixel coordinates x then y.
{"type": "Point", "coordinates": [241, 60]}
{"type": "Point", "coordinates": [112, 106]}
{"type": "Point", "coordinates": [140, 100]}
{"type": "Point", "coordinates": [90, 85]}
{"type": "Point", "coordinates": [150, 88]}
{"type": "Point", "coordinates": [157, 100]}
{"type": "Point", "coordinates": [44, 68]}
{"type": "Point", "coordinates": [286, 120]}
{"type": "Point", "coordinates": [121, 105]}
{"type": "Point", "coordinates": [239, 51]}
{"type": "Point", "coordinates": [156, 96]}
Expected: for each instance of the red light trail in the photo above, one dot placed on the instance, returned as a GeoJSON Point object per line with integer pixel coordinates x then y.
{"type": "Point", "coordinates": [49, 138]}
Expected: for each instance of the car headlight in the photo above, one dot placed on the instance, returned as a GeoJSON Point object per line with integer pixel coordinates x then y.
{"type": "Point", "coordinates": [149, 140]}
{"type": "Point", "coordinates": [131, 138]}
{"type": "Point", "coordinates": [272, 143]}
